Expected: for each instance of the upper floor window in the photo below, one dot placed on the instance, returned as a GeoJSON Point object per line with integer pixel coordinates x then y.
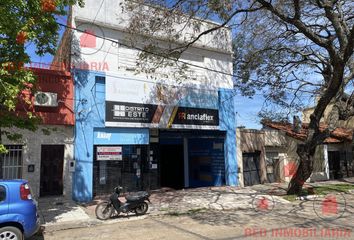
{"type": "Point", "coordinates": [100, 85]}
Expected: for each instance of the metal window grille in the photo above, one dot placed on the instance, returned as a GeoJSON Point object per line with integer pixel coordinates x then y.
{"type": "Point", "coordinates": [12, 162]}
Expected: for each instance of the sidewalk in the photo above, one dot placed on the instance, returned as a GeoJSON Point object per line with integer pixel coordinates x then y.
{"type": "Point", "coordinates": [59, 213]}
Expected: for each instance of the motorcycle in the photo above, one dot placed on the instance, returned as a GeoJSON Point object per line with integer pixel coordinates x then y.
{"type": "Point", "coordinates": [136, 202]}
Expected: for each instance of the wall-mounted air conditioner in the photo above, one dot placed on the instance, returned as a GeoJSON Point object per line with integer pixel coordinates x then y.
{"type": "Point", "coordinates": [45, 99]}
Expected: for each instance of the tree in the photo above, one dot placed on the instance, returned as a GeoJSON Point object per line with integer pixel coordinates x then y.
{"type": "Point", "coordinates": [22, 23]}
{"type": "Point", "coordinates": [290, 50]}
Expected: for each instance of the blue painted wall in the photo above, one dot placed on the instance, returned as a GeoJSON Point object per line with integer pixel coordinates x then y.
{"type": "Point", "coordinates": [228, 124]}
{"type": "Point", "coordinates": [213, 170]}
{"type": "Point", "coordinates": [123, 136]}
{"type": "Point", "coordinates": [90, 117]}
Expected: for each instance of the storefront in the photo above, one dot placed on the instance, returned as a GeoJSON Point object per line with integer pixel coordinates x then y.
{"type": "Point", "coordinates": [146, 135]}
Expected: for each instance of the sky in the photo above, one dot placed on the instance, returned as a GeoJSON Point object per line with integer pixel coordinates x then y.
{"type": "Point", "coordinates": [247, 111]}
{"type": "Point", "coordinates": [47, 58]}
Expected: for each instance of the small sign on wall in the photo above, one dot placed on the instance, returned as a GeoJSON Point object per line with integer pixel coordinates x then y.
{"type": "Point", "coordinates": [153, 166]}
{"type": "Point", "coordinates": [109, 153]}
{"type": "Point", "coordinates": [30, 168]}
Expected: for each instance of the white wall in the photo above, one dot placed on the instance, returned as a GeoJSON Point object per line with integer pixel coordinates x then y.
{"type": "Point", "coordinates": [210, 51]}
{"type": "Point", "coordinates": [31, 154]}
{"type": "Point", "coordinates": [114, 14]}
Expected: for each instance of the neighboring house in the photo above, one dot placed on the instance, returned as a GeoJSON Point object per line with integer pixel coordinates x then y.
{"type": "Point", "coordinates": [349, 123]}
{"type": "Point", "coordinates": [269, 155]}
{"type": "Point", "coordinates": [251, 156]}
{"type": "Point", "coordinates": [43, 157]}
{"type": "Point", "coordinates": [146, 132]}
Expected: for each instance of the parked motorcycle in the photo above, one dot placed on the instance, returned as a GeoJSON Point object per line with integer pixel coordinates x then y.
{"type": "Point", "coordinates": [136, 202]}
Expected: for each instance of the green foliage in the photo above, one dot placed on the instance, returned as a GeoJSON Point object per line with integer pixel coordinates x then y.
{"type": "Point", "coordinates": [2, 149]}
{"type": "Point", "coordinates": [333, 188]}
{"type": "Point", "coordinates": [24, 22]}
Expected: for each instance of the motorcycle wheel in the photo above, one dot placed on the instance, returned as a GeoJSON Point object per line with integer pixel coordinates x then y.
{"type": "Point", "coordinates": [104, 210]}
{"type": "Point", "coordinates": [142, 209]}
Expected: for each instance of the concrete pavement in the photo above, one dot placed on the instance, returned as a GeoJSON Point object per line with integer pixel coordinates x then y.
{"type": "Point", "coordinates": [210, 213]}
{"type": "Point", "coordinates": [220, 225]}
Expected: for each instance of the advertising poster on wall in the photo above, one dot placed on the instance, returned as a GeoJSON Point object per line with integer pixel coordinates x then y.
{"type": "Point", "coordinates": [109, 153]}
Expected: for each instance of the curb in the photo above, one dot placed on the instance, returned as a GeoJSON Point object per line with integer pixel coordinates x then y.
{"type": "Point", "coordinates": [70, 225]}
{"type": "Point", "coordinates": [54, 227]}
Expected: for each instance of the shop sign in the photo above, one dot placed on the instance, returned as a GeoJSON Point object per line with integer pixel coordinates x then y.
{"type": "Point", "coordinates": [148, 115]}
{"type": "Point", "coordinates": [129, 112]}
{"type": "Point", "coordinates": [197, 116]}
{"type": "Point", "coordinates": [138, 103]}
{"type": "Point", "coordinates": [109, 153]}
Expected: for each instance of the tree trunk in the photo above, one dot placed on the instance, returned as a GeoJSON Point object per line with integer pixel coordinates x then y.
{"type": "Point", "coordinates": [306, 153]}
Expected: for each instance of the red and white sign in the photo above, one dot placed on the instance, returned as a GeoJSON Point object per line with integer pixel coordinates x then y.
{"type": "Point", "coordinates": [109, 153]}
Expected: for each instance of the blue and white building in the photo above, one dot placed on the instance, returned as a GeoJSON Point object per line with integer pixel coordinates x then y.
{"type": "Point", "coordinates": [146, 132]}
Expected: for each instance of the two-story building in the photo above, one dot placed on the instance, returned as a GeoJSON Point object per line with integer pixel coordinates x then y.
{"type": "Point", "coordinates": [43, 157]}
{"type": "Point", "coordinates": [145, 131]}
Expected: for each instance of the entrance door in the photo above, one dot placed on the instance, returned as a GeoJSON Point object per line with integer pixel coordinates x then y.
{"type": "Point", "coordinates": [251, 168]}
{"type": "Point", "coordinates": [334, 165]}
{"type": "Point", "coordinates": [52, 159]}
{"type": "Point", "coordinates": [172, 166]}
{"type": "Point", "coordinates": [272, 167]}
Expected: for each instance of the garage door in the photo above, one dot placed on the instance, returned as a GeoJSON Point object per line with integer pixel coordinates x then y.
{"type": "Point", "coordinates": [251, 168]}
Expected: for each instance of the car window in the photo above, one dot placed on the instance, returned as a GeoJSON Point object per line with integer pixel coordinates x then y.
{"type": "Point", "coordinates": [2, 193]}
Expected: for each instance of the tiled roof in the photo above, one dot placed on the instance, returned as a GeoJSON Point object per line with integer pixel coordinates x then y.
{"type": "Point", "coordinates": [338, 135]}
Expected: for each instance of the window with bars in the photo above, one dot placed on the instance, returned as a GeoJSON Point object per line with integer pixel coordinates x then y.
{"type": "Point", "coordinates": [11, 162]}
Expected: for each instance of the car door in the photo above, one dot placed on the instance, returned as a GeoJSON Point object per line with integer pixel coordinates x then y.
{"type": "Point", "coordinates": [4, 201]}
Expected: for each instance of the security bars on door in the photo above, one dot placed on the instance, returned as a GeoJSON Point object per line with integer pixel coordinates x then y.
{"type": "Point", "coordinates": [12, 162]}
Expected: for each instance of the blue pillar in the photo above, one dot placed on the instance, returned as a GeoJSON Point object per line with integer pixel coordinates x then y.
{"type": "Point", "coordinates": [228, 124]}
{"type": "Point", "coordinates": [83, 175]}
{"type": "Point", "coordinates": [89, 113]}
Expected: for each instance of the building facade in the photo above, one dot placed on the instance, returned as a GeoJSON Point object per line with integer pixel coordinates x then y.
{"type": "Point", "coordinates": [269, 155]}
{"type": "Point", "coordinates": [43, 157]}
{"type": "Point", "coordinates": [144, 132]}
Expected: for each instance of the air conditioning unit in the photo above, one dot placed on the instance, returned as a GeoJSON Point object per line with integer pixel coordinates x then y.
{"type": "Point", "coordinates": [45, 99]}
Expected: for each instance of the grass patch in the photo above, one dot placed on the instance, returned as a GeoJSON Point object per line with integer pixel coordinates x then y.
{"type": "Point", "coordinates": [290, 198]}
{"type": "Point", "coordinates": [321, 190]}
{"type": "Point", "coordinates": [189, 212]}
{"type": "Point", "coordinates": [196, 210]}
{"type": "Point", "coordinates": [175, 214]}
{"type": "Point", "coordinates": [333, 188]}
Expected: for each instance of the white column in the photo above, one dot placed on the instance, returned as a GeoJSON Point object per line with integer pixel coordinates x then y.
{"type": "Point", "coordinates": [186, 163]}
{"type": "Point", "coordinates": [325, 160]}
